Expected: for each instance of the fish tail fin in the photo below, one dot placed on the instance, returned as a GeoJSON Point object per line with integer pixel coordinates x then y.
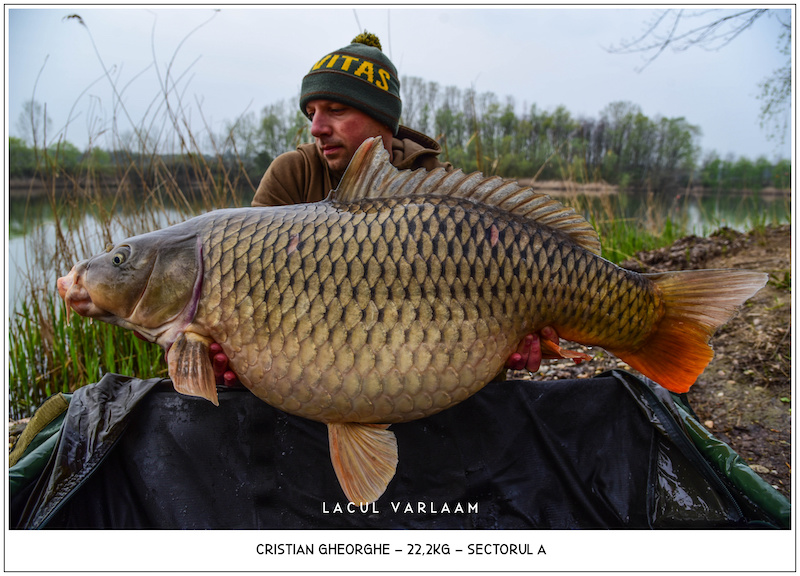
{"type": "Point", "coordinates": [364, 457]}
{"type": "Point", "coordinates": [697, 303]}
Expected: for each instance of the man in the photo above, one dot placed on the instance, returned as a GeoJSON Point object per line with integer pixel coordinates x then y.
{"type": "Point", "coordinates": [350, 95]}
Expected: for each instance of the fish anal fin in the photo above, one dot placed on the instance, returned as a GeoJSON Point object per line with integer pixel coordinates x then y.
{"type": "Point", "coordinates": [552, 350]}
{"type": "Point", "coordinates": [190, 367]}
{"type": "Point", "coordinates": [696, 304]}
{"type": "Point", "coordinates": [364, 457]}
{"type": "Point", "coordinates": [673, 356]}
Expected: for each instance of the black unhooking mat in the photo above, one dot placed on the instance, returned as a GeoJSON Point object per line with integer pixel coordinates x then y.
{"type": "Point", "coordinates": [608, 452]}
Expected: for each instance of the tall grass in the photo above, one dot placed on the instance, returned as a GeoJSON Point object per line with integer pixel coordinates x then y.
{"type": "Point", "coordinates": [50, 354]}
{"type": "Point", "coordinates": [623, 235]}
{"type": "Point", "coordinates": [162, 175]}
{"type": "Point", "coordinates": [51, 351]}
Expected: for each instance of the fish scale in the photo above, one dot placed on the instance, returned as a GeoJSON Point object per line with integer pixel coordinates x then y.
{"type": "Point", "coordinates": [399, 296]}
{"type": "Point", "coordinates": [343, 312]}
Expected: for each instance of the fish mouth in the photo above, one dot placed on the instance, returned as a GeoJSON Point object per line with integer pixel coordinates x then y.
{"type": "Point", "coordinates": [77, 298]}
{"type": "Point", "coordinates": [75, 295]}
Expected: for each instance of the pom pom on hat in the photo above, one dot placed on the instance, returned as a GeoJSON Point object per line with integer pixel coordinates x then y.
{"type": "Point", "coordinates": [368, 39]}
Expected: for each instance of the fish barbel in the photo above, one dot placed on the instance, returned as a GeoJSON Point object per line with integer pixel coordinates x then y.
{"type": "Point", "coordinates": [399, 296]}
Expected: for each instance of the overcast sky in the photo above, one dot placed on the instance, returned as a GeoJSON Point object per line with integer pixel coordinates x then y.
{"type": "Point", "coordinates": [241, 59]}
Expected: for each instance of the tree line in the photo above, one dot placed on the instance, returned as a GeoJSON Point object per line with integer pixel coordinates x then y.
{"type": "Point", "coordinates": [622, 146]}
{"type": "Point", "coordinates": [478, 131]}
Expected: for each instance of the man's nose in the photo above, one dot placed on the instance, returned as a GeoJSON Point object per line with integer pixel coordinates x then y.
{"type": "Point", "coordinates": [320, 126]}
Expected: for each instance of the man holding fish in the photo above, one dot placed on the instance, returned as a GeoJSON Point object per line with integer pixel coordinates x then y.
{"type": "Point", "coordinates": [400, 295]}
{"type": "Point", "coordinates": [350, 95]}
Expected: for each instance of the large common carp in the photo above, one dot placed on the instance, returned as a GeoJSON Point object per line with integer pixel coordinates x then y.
{"type": "Point", "coordinates": [400, 295]}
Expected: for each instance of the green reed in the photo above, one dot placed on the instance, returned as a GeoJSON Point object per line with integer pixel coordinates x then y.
{"type": "Point", "coordinates": [50, 354]}
{"type": "Point", "coordinates": [622, 235]}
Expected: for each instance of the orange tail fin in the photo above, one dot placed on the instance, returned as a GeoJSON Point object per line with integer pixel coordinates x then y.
{"type": "Point", "coordinates": [697, 302]}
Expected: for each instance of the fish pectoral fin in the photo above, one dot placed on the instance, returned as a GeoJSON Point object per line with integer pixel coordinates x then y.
{"type": "Point", "coordinates": [364, 457]}
{"type": "Point", "coordinates": [552, 350]}
{"type": "Point", "coordinates": [190, 367]}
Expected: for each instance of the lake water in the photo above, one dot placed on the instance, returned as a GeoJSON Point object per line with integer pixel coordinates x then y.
{"type": "Point", "coordinates": [32, 227]}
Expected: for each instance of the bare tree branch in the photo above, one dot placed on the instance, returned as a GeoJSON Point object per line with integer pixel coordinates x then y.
{"type": "Point", "coordinates": [715, 33]}
{"type": "Point", "coordinates": [663, 33]}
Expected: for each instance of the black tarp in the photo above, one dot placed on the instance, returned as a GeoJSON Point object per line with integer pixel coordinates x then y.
{"type": "Point", "coordinates": [605, 452]}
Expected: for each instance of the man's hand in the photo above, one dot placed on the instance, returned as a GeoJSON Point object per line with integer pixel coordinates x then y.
{"type": "Point", "coordinates": [219, 362]}
{"type": "Point", "coordinates": [529, 352]}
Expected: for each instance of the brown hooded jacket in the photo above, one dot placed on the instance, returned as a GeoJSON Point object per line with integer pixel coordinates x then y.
{"type": "Point", "coordinates": [302, 175]}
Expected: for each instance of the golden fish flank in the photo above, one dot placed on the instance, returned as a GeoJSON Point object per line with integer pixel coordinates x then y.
{"type": "Point", "coordinates": [410, 324]}
{"type": "Point", "coordinates": [398, 297]}
{"type": "Point", "coordinates": [397, 329]}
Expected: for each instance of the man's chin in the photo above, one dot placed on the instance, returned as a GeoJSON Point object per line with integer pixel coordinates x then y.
{"type": "Point", "coordinates": [337, 166]}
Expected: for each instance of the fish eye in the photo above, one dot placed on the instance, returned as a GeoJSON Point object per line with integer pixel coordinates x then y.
{"type": "Point", "coordinates": [120, 256]}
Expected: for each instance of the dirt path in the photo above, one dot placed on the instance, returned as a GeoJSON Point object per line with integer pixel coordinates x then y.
{"type": "Point", "coordinates": [744, 396]}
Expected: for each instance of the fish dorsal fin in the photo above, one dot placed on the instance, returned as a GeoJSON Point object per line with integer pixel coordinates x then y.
{"type": "Point", "coordinates": [364, 457]}
{"type": "Point", "coordinates": [371, 175]}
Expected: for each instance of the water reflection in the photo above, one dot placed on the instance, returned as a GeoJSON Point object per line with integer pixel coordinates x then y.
{"type": "Point", "coordinates": [698, 213]}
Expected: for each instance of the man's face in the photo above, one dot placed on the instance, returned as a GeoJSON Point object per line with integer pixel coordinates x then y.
{"type": "Point", "coordinates": [339, 130]}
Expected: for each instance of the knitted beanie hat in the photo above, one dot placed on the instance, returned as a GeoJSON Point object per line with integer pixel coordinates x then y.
{"type": "Point", "coordinates": [359, 75]}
